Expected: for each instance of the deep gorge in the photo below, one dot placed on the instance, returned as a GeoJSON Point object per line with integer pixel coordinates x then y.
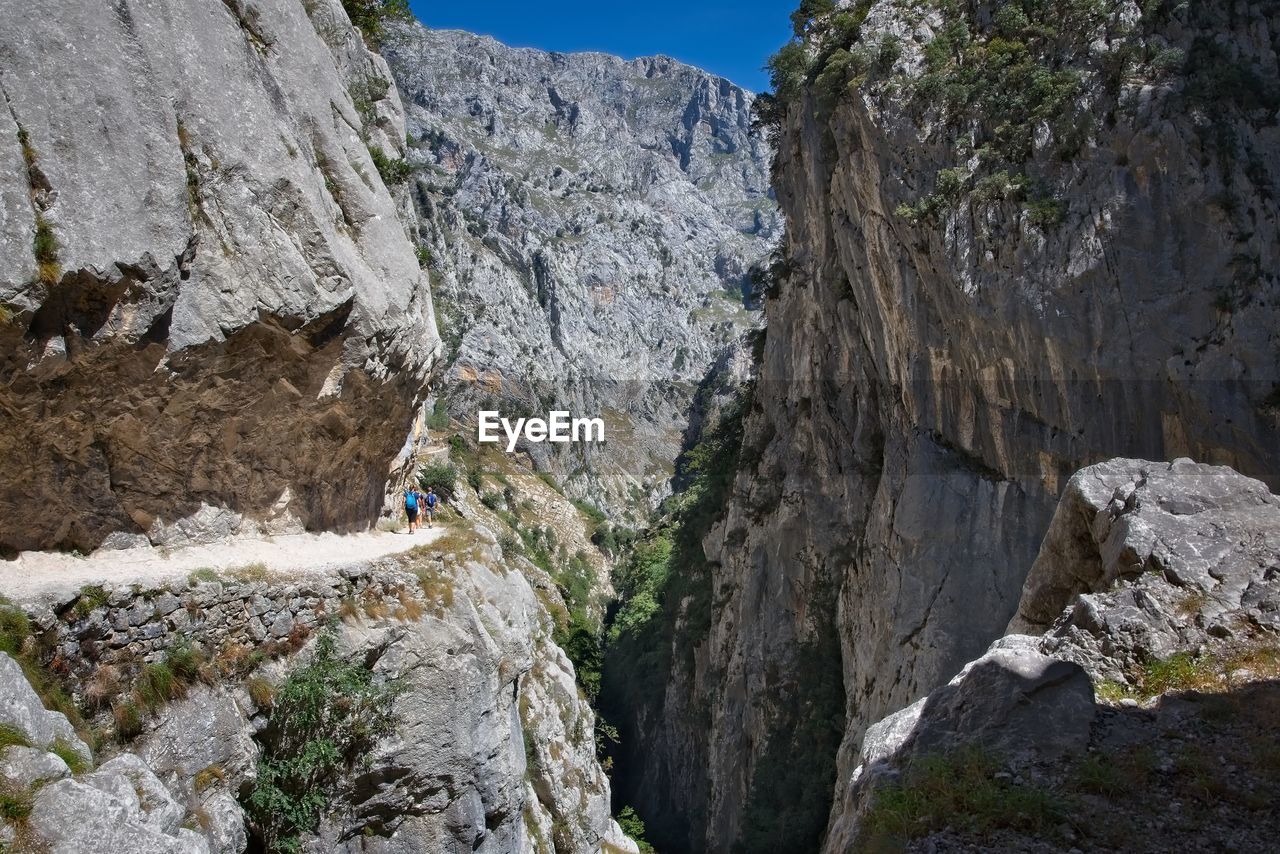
{"type": "Point", "coordinates": [941, 387]}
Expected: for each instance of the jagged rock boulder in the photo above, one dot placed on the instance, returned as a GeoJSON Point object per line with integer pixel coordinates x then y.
{"type": "Point", "coordinates": [74, 817]}
{"type": "Point", "coordinates": [204, 282]}
{"type": "Point", "coordinates": [31, 766]}
{"type": "Point", "coordinates": [1159, 580]}
{"type": "Point", "coordinates": [1145, 559]}
{"type": "Point", "coordinates": [1014, 703]}
{"type": "Point", "coordinates": [22, 709]}
{"type": "Point", "coordinates": [206, 736]}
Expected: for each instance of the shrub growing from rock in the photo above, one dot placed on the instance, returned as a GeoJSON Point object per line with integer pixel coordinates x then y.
{"type": "Point", "coordinates": [327, 715]}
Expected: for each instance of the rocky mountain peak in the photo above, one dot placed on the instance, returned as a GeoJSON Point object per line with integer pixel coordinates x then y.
{"type": "Point", "coordinates": [591, 223]}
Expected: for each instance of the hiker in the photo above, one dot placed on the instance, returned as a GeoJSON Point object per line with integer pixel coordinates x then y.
{"type": "Point", "coordinates": [411, 507]}
{"type": "Point", "coordinates": [432, 502]}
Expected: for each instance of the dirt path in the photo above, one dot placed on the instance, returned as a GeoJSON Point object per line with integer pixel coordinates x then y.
{"type": "Point", "coordinates": [53, 575]}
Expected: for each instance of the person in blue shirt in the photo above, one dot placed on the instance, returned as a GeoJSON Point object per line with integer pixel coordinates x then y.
{"type": "Point", "coordinates": [432, 503]}
{"type": "Point", "coordinates": [411, 507]}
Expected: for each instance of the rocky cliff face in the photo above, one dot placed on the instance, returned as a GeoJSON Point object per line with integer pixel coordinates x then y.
{"type": "Point", "coordinates": [589, 224]}
{"type": "Point", "coordinates": [492, 747]}
{"type": "Point", "coordinates": [1159, 587]}
{"type": "Point", "coordinates": [1016, 244]}
{"type": "Point", "coordinates": [213, 319]}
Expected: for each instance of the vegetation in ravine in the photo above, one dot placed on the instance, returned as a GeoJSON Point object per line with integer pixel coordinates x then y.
{"type": "Point", "coordinates": [325, 717]}
{"type": "Point", "coordinates": [665, 590]}
{"type": "Point", "coordinates": [664, 582]}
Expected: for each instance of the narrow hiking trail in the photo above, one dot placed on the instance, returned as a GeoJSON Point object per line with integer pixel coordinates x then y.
{"type": "Point", "coordinates": [56, 575]}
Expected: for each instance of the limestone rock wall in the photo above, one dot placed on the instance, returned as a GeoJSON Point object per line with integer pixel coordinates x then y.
{"type": "Point", "coordinates": [1145, 563]}
{"type": "Point", "coordinates": [938, 363]}
{"type": "Point", "coordinates": [590, 224]}
{"type": "Point", "coordinates": [210, 305]}
{"type": "Point", "coordinates": [494, 746]}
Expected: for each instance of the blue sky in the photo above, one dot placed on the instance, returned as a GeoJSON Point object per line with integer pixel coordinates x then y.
{"type": "Point", "coordinates": [727, 38]}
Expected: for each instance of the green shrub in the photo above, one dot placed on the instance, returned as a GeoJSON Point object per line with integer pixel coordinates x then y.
{"type": "Point", "coordinates": [594, 514]}
{"type": "Point", "coordinates": [806, 14]}
{"type": "Point", "coordinates": [371, 16]}
{"type": "Point", "coordinates": [613, 540]}
{"type": "Point", "coordinates": [632, 826]}
{"type": "Point", "coordinates": [392, 169]}
{"type": "Point", "coordinates": [1045, 212]}
{"type": "Point", "coordinates": [45, 246]}
{"type": "Point", "coordinates": [787, 69]}
{"type": "Point", "coordinates": [327, 716]}
{"type": "Point", "coordinates": [442, 477]}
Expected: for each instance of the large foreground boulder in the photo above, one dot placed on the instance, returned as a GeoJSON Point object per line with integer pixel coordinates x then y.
{"type": "Point", "coordinates": [1158, 582]}
{"type": "Point", "coordinates": [1145, 560]}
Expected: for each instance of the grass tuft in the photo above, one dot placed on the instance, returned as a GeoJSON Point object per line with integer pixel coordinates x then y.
{"type": "Point", "coordinates": [11, 736]}
{"type": "Point", "coordinates": [68, 754]}
{"type": "Point", "coordinates": [251, 573]}
{"type": "Point", "coordinates": [261, 692]}
{"type": "Point", "coordinates": [90, 599]}
{"type": "Point", "coordinates": [128, 719]}
{"type": "Point", "coordinates": [960, 790]}
{"type": "Point", "coordinates": [202, 575]}
{"type": "Point", "coordinates": [208, 776]}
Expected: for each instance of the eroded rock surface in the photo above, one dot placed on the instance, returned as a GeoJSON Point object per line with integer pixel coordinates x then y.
{"type": "Point", "coordinates": [590, 224]}
{"type": "Point", "coordinates": [212, 311]}
{"type": "Point", "coordinates": [945, 350]}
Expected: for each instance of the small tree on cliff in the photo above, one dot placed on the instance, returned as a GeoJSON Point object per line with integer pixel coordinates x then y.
{"type": "Point", "coordinates": [371, 15]}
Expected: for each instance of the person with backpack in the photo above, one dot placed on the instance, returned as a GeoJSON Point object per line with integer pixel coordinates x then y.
{"type": "Point", "coordinates": [432, 503]}
{"type": "Point", "coordinates": [411, 507]}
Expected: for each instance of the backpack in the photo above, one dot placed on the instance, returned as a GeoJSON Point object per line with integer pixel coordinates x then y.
{"type": "Point", "coordinates": [411, 500]}
{"type": "Point", "coordinates": [431, 500]}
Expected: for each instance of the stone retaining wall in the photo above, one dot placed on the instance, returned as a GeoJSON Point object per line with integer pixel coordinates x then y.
{"type": "Point", "coordinates": [229, 619]}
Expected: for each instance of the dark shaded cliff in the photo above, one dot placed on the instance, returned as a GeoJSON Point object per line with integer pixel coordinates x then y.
{"type": "Point", "coordinates": [1021, 239]}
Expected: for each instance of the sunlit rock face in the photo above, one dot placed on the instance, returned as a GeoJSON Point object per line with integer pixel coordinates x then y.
{"type": "Point", "coordinates": [212, 312]}
{"type": "Point", "coordinates": [589, 224]}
